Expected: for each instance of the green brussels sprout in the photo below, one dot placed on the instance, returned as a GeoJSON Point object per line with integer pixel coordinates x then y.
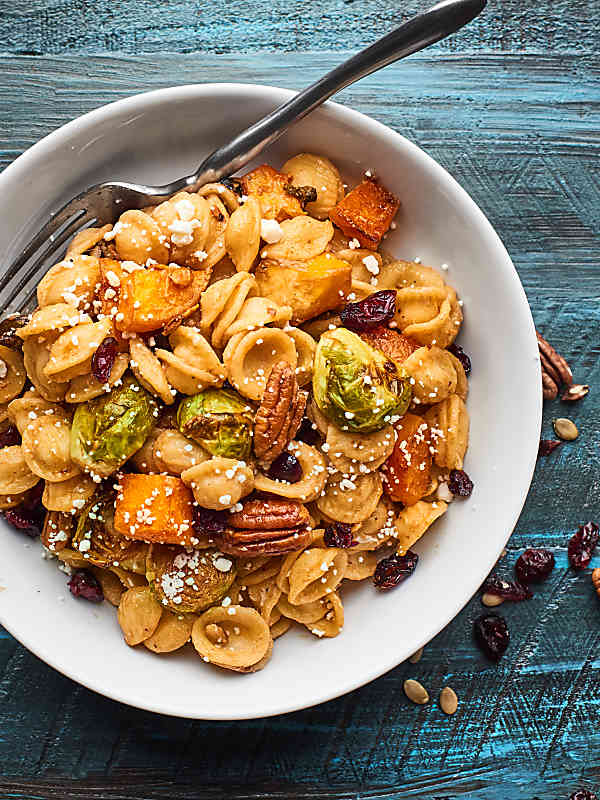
{"type": "Point", "coordinates": [108, 430]}
{"type": "Point", "coordinates": [219, 420]}
{"type": "Point", "coordinates": [95, 537]}
{"type": "Point", "coordinates": [355, 386]}
{"type": "Point", "coordinates": [169, 570]}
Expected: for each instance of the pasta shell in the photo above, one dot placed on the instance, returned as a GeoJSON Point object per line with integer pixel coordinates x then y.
{"type": "Point", "coordinates": [72, 281]}
{"type": "Point", "coordinates": [219, 482]}
{"type": "Point", "coordinates": [361, 565]}
{"type": "Point", "coordinates": [139, 614]}
{"type": "Point", "coordinates": [408, 274]}
{"type": "Point", "coordinates": [149, 372]}
{"type": "Point", "coordinates": [434, 373]}
{"type": "Point", "coordinates": [449, 426]}
{"type": "Point", "coordinates": [36, 354]}
{"type": "Point", "coordinates": [332, 621]}
{"type": "Point", "coordinates": [303, 238]}
{"type": "Point", "coordinates": [249, 359]}
{"type": "Point", "coordinates": [172, 633]}
{"type": "Point", "coordinates": [85, 240]}
{"type": "Point", "coordinates": [312, 483]}
{"type": "Point", "coordinates": [15, 475]}
{"type": "Point", "coordinates": [242, 235]}
{"type": "Point", "coordinates": [242, 643]}
{"type": "Point", "coordinates": [413, 521]}
{"type": "Point", "coordinates": [52, 319]}
{"type": "Point", "coordinates": [12, 374]}
{"type": "Point", "coordinates": [308, 169]}
{"type": "Point", "coordinates": [306, 348]}
{"type": "Point", "coordinates": [71, 354]}
{"type": "Point", "coordinates": [351, 500]}
{"type": "Point", "coordinates": [174, 453]}
{"type": "Point", "coordinates": [139, 238]}
{"type": "Point", "coordinates": [359, 452]}
{"type": "Point", "coordinates": [68, 496]}
{"type": "Point", "coordinates": [316, 573]}
{"type": "Point", "coordinates": [112, 588]}
{"type": "Point", "coordinates": [87, 387]}
{"type": "Point", "coordinates": [46, 448]}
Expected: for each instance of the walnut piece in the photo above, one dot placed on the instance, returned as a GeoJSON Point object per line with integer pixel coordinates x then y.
{"type": "Point", "coordinates": [279, 414]}
{"type": "Point", "coordinates": [266, 527]}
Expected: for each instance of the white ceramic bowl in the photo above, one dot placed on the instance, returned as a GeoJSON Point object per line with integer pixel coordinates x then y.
{"type": "Point", "coordinates": [161, 135]}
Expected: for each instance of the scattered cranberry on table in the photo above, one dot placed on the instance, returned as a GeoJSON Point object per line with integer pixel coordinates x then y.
{"type": "Point", "coordinates": [582, 545]}
{"type": "Point", "coordinates": [492, 636]}
{"type": "Point", "coordinates": [508, 590]}
{"type": "Point", "coordinates": [548, 446]}
{"type": "Point", "coordinates": [534, 565]}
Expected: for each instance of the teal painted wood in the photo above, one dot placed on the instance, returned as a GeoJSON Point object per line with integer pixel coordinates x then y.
{"type": "Point", "coordinates": [522, 135]}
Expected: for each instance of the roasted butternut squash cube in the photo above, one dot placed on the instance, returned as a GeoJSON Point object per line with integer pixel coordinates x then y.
{"type": "Point", "coordinates": [391, 342]}
{"type": "Point", "coordinates": [366, 213]}
{"type": "Point", "coordinates": [151, 298]}
{"type": "Point", "coordinates": [154, 508]}
{"type": "Point", "coordinates": [309, 287]}
{"type": "Point", "coordinates": [407, 472]}
{"type": "Point", "coordinates": [269, 186]}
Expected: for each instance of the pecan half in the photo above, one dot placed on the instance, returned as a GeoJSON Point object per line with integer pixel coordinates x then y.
{"type": "Point", "coordinates": [553, 363]}
{"type": "Point", "coordinates": [549, 387]}
{"type": "Point", "coordinates": [269, 515]}
{"type": "Point", "coordinates": [264, 543]}
{"type": "Point", "coordinates": [266, 527]}
{"type": "Point", "coordinates": [279, 414]}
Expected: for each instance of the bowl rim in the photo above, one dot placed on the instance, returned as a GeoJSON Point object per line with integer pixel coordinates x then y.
{"type": "Point", "coordinates": [349, 115]}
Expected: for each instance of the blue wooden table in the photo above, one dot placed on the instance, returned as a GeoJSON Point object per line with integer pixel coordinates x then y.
{"type": "Point", "coordinates": [511, 107]}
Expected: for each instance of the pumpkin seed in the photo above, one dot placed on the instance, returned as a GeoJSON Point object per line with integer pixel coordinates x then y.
{"type": "Point", "coordinates": [565, 429]}
{"type": "Point", "coordinates": [416, 657]}
{"type": "Point", "coordinates": [491, 600]}
{"type": "Point", "coordinates": [416, 692]}
{"type": "Point", "coordinates": [448, 700]}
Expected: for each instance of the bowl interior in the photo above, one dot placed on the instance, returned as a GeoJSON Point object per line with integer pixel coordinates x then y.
{"type": "Point", "coordinates": [161, 135]}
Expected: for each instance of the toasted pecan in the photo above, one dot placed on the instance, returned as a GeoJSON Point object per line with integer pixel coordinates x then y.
{"type": "Point", "coordinates": [265, 543]}
{"type": "Point", "coordinates": [279, 414]}
{"type": "Point", "coordinates": [273, 514]}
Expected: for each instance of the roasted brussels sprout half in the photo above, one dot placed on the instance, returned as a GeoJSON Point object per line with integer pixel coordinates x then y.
{"type": "Point", "coordinates": [219, 420]}
{"type": "Point", "coordinates": [187, 580]}
{"type": "Point", "coordinates": [96, 539]}
{"type": "Point", "coordinates": [356, 386]}
{"type": "Point", "coordinates": [108, 430]}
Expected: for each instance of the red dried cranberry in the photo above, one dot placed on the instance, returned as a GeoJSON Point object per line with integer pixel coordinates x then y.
{"type": "Point", "coordinates": [338, 535]}
{"type": "Point", "coordinates": [548, 446]}
{"type": "Point", "coordinates": [286, 467]}
{"type": "Point", "coordinates": [375, 309]}
{"type": "Point", "coordinates": [492, 636]}
{"type": "Point", "coordinates": [464, 359]}
{"type": "Point", "coordinates": [308, 432]}
{"type": "Point", "coordinates": [207, 521]}
{"type": "Point", "coordinates": [104, 358]}
{"type": "Point", "coordinates": [508, 590]}
{"type": "Point", "coordinates": [582, 545]}
{"type": "Point", "coordinates": [459, 483]}
{"type": "Point", "coordinates": [10, 437]}
{"type": "Point", "coordinates": [84, 584]}
{"type": "Point", "coordinates": [24, 520]}
{"type": "Point", "coordinates": [583, 794]}
{"type": "Point", "coordinates": [394, 569]}
{"type": "Point", "coordinates": [534, 565]}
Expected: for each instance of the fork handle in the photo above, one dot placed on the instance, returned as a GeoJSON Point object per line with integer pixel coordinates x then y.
{"type": "Point", "coordinates": [416, 34]}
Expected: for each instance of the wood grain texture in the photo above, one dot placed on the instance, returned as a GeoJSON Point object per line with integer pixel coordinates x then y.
{"type": "Point", "coordinates": [522, 134]}
{"type": "Point", "coordinates": [243, 26]}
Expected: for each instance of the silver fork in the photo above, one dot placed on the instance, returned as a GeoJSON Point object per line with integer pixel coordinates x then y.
{"type": "Point", "coordinates": [104, 202]}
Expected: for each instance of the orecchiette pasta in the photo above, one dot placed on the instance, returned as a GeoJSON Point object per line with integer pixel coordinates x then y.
{"type": "Point", "coordinates": [236, 638]}
{"type": "Point", "coordinates": [163, 423]}
{"type": "Point", "coordinates": [302, 238]}
{"type": "Point", "coordinates": [449, 425]}
{"type": "Point", "coordinates": [307, 169]}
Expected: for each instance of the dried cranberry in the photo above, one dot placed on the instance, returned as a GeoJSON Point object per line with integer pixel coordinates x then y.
{"type": "Point", "coordinates": [286, 467]}
{"type": "Point", "coordinates": [10, 437]}
{"type": "Point", "coordinates": [375, 309]}
{"type": "Point", "coordinates": [459, 483]}
{"type": "Point", "coordinates": [491, 634]}
{"type": "Point", "coordinates": [508, 590]}
{"type": "Point", "coordinates": [393, 570]}
{"type": "Point", "coordinates": [582, 545]}
{"type": "Point", "coordinates": [84, 584]}
{"type": "Point", "coordinates": [548, 446]}
{"type": "Point", "coordinates": [583, 794]}
{"type": "Point", "coordinates": [209, 521]}
{"type": "Point", "coordinates": [104, 358]}
{"type": "Point", "coordinates": [338, 535]}
{"type": "Point", "coordinates": [28, 522]}
{"type": "Point", "coordinates": [464, 359]}
{"type": "Point", "coordinates": [308, 432]}
{"type": "Point", "coordinates": [534, 565]}
{"type": "Point", "coordinates": [33, 499]}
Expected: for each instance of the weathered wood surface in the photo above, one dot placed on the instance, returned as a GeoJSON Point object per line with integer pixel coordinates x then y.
{"type": "Point", "coordinates": [522, 134]}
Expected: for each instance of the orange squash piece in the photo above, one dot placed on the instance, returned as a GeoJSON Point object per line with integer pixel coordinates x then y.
{"type": "Point", "coordinates": [151, 298]}
{"type": "Point", "coordinates": [154, 508]}
{"type": "Point", "coordinates": [391, 342]}
{"type": "Point", "coordinates": [407, 472]}
{"type": "Point", "coordinates": [366, 213]}
{"type": "Point", "coordinates": [309, 287]}
{"type": "Point", "coordinates": [268, 186]}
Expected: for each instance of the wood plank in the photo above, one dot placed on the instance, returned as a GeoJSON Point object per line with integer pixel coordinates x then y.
{"type": "Point", "coordinates": [240, 26]}
{"type": "Point", "coordinates": [522, 135]}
